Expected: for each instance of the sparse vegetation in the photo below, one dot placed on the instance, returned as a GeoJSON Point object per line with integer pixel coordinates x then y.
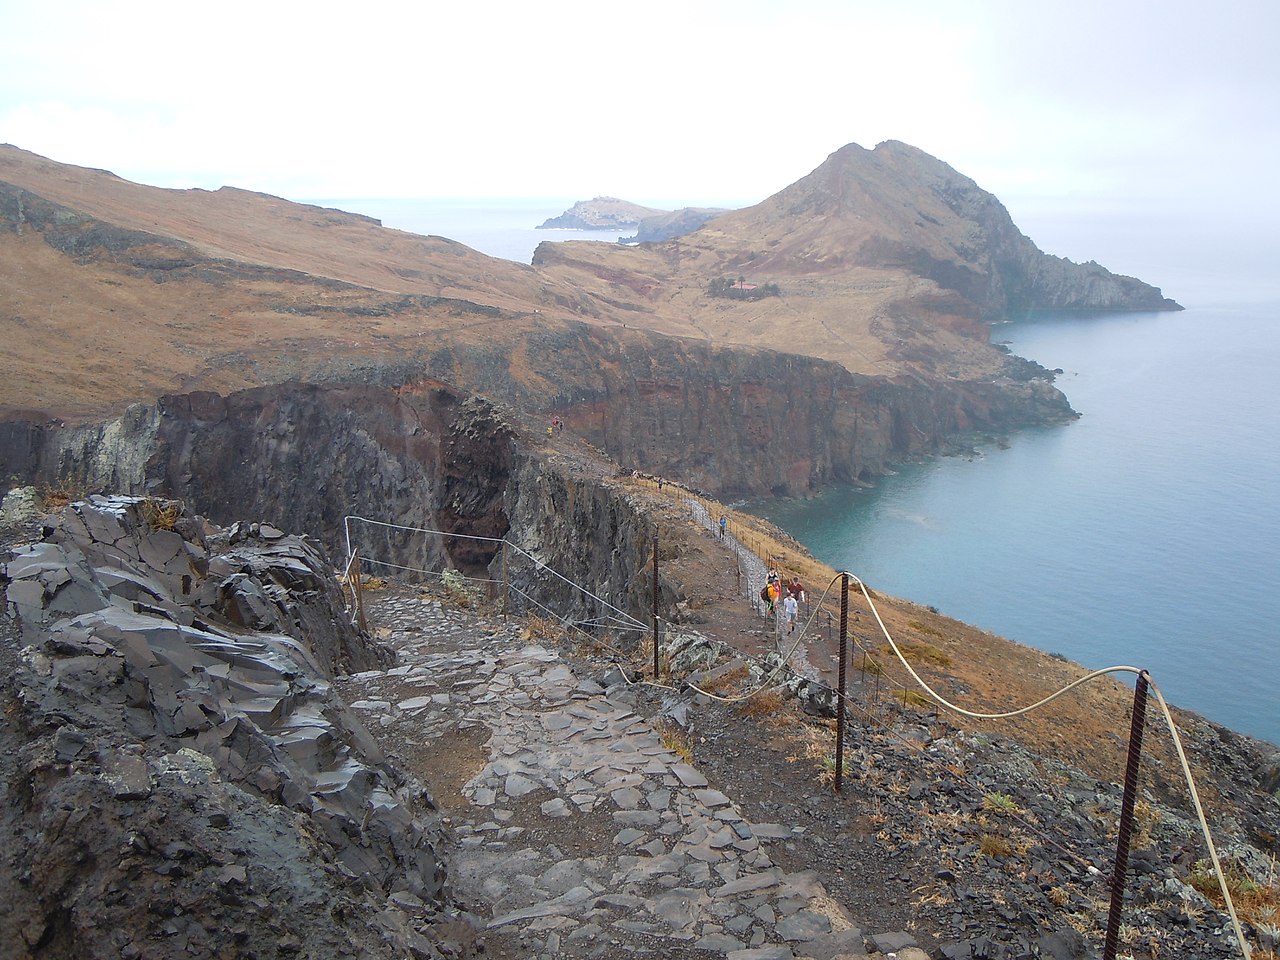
{"type": "Point", "coordinates": [459, 589]}
{"type": "Point", "coordinates": [730, 681]}
{"type": "Point", "coordinates": [65, 491]}
{"type": "Point", "coordinates": [541, 628]}
{"type": "Point", "coordinates": [827, 769]}
{"type": "Point", "coordinates": [869, 665]}
{"type": "Point", "coordinates": [160, 514]}
{"type": "Point", "coordinates": [763, 704]}
{"type": "Point", "coordinates": [994, 845]}
{"type": "Point", "coordinates": [918, 653]}
{"type": "Point", "coordinates": [911, 698]}
{"type": "Point", "coordinates": [1256, 901]}
{"type": "Point", "coordinates": [1000, 803]}
{"type": "Point", "coordinates": [740, 289]}
{"type": "Point", "coordinates": [677, 740]}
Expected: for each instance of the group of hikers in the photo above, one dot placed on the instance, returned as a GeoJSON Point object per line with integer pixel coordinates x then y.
{"type": "Point", "coordinates": [790, 592]}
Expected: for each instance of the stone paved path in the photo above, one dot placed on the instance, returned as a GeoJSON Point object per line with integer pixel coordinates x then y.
{"type": "Point", "coordinates": [754, 575]}
{"type": "Point", "coordinates": [672, 867]}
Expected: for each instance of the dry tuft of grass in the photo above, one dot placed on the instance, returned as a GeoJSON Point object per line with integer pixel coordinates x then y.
{"type": "Point", "coordinates": [918, 653]}
{"type": "Point", "coordinates": [541, 628]}
{"type": "Point", "coordinates": [920, 627]}
{"type": "Point", "coordinates": [910, 698]}
{"type": "Point", "coordinates": [766, 703]}
{"type": "Point", "coordinates": [1257, 902]}
{"type": "Point", "coordinates": [64, 492]}
{"type": "Point", "coordinates": [994, 845]}
{"type": "Point", "coordinates": [867, 664]}
{"type": "Point", "coordinates": [676, 739]}
{"type": "Point", "coordinates": [160, 514]}
{"type": "Point", "coordinates": [729, 682]}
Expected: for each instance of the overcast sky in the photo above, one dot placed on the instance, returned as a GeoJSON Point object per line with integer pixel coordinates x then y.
{"type": "Point", "coordinates": [1098, 104]}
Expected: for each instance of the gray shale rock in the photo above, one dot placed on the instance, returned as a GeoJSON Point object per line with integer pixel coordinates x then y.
{"type": "Point", "coordinates": [185, 673]}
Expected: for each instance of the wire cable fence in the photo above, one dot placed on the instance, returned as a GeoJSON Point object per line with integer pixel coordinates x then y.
{"type": "Point", "coordinates": [522, 582]}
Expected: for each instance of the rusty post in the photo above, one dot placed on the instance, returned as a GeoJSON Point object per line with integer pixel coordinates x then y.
{"type": "Point", "coordinates": [506, 586]}
{"type": "Point", "coordinates": [359, 592]}
{"type": "Point", "coordinates": [1126, 815]}
{"type": "Point", "coordinates": [655, 608]}
{"type": "Point", "coordinates": [844, 649]}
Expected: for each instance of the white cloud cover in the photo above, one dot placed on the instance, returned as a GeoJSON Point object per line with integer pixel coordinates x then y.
{"type": "Point", "coordinates": [671, 102]}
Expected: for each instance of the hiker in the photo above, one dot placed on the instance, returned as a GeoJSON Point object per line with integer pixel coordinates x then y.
{"type": "Point", "coordinates": [796, 589]}
{"type": "Point", "coordinates": [789, 608]}
{"type": "Point", "coordinates": [766, 597]}
{"type": "Point", "coordinates": [723, 523]}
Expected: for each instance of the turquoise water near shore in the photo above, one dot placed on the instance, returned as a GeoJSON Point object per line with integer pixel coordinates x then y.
{"type": "Point", "coordinates": [1145, 533]}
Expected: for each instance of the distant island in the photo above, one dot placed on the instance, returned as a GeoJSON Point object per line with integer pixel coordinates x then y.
{"type": "Point", "coordinates": [602, 213]}
{"type": "Point", "coordinates": [610, 213]}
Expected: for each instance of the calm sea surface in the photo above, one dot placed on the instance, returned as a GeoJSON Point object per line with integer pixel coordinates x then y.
{"type": "Point", "coordinates": [1146, 533]}
{"type": "Point", "coordinates": [505, 229]}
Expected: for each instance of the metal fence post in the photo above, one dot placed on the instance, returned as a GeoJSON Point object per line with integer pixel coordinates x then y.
{"type": "Point", "coordinates": [359, 591]}
{"type": "Point", "coordinates": [1126, 816]}
{"type": "Point", "coordinates": [655, 608]}
{"type": "Point", "coordinates": [844, 647]}
{"type": "Point", "coordinates": [506, 588]}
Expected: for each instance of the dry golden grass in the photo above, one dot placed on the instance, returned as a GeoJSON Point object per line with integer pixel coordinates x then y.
{"type": "Point", "coordinates": [676, 739]}
{"type": "Point", "coordinates": [541, 628]}
{"type": "Point", "coordinates": [160, 514]}
{"type": "Point", "coordinates": [925, 653]}
{"type": "Point", "coordinates": [994, 845]}
{"type": "Point", "coordinates": [64, 492]}
{"type": "Point", "coordinates": [1255, 901]}
{"type": "Point", "coordinates": [727, 683]}
{"type": "Point", "coordinates": [766, 703]}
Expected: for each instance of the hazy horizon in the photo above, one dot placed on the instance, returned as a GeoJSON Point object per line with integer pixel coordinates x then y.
{"type": "Point", "coordinates": [1100, 108]}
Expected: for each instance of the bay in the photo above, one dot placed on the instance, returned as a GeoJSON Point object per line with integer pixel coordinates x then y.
{"type": "Point", "coordinates": [1145, 533]}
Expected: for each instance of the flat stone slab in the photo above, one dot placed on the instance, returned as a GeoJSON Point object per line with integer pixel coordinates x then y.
{"type": "Point", "coordinates": [688, 776]}
{"type": "Point", "coordinates": [803, 925]}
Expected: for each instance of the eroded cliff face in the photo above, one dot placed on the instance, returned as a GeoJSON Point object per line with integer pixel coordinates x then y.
{"type": "Point", "coordinates": [411, 460]}
{"type": "Point", "coordinates": [742, 423]}
{"type": "Point", "coordinates": [427, 457]}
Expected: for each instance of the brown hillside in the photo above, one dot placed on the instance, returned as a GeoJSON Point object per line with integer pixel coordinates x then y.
{"type": "Point", "coordinates": [887, 262]}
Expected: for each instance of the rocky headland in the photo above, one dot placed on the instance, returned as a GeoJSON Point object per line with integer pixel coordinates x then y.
{"type": "Point", "coordinates": [600, 213]}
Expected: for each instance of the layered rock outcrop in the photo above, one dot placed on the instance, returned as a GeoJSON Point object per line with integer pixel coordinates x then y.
{"type": "Point", "coordinates": [176, 733]}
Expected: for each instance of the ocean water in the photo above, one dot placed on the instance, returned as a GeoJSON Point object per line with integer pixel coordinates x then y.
{"type": "Point", "coordinates": [1145, 533]}
{"type": "Point", "coordinates": [507, 229]}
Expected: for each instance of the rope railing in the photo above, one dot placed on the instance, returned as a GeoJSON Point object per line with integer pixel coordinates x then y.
{"type": "Point", "coordinates": [608, 616]}
{"type": "Point", "coordinates": [937, 698]}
